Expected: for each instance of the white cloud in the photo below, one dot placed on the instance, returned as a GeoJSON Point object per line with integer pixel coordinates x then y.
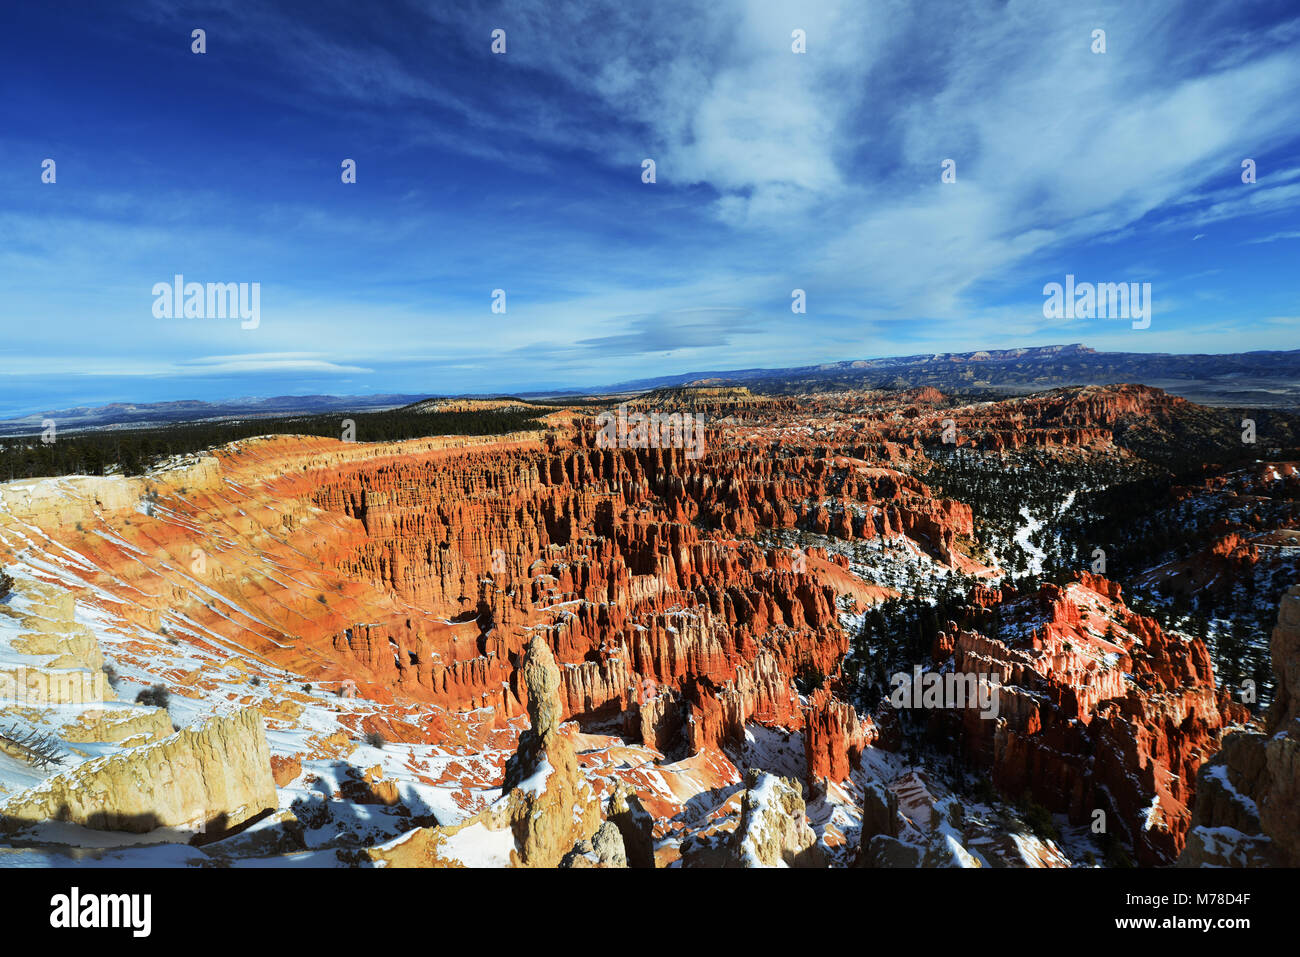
{"type": "Point", "coordinates": [1276, 237]}
{"type": "Point", "coordinates": [267, 362]}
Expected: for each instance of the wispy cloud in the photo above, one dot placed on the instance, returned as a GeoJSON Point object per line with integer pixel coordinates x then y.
{"type": "Point", "coordinates": [1275, 237]}
{"type": "Point", "coordinates": [268, 362]}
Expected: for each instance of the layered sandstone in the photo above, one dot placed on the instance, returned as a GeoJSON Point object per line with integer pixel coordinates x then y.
{"type": "Point", "coordinates": [210, 779]}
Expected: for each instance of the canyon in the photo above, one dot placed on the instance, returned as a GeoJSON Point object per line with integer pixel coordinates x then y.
{"type": "Point", "coordinates": [534, 649]}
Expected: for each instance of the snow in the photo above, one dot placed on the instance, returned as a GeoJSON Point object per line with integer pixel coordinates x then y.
{"type": "Point", "coordinates": [1219, 773]}
{"type": "Point", "coordinates": [476, 845]}
{"type": "Point", "coordinates": [1036, 554]}
{"type": "Point", "coordinates": [1152, 816]}
{"type": "Point", "coordinates": [535, 783]}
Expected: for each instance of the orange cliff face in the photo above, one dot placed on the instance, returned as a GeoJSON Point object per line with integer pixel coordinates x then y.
{"type": "Point", "coordinates": [420, 570]}
{"type": "Point", "coordinates": [593, 549]}
{"type": "Point", "coordinates": [1081, 421]}
{"type": "Point", "coordinates": [1098, 710]}
{"type": "Point", "coordinates": [421, 573]}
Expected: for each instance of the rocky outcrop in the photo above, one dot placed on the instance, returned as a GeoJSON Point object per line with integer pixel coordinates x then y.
{"type": "Point", "coordinates": [773, 829]}
{"type": "Point", "coordinates": [208, 780]}
{"type": "Point", "coordinates": [604, 850]}
{"type": "Point", "coordinates": [1247, 810]}
{"type": "Point", "coordinates": [73, 498]}
{"type": "Point", "coordinates": [1070, 420]}
{"type": "Point", "coordinates": [549, 812]}
{"type": "Point", "coordinates": [58, 661]}
{"type": "Point", "coordinates": [834, 737]}
{"type": "Point", "coordinates": [879, 813]}
{"type": "Point", "coordinates": [626, 812]}
{"type": "Point", "coordinates": [1285, 652]}
{"type": "Point", "coordinates": [1085, 721]}
{"type": "Point", "coordinates": [551, 806]}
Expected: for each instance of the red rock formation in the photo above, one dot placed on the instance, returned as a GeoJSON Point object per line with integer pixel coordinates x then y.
{"type": "Point", "coordinates": [834, 737]}
{"type": "Point", "coordinates": [421, 571]}
{"type": "Point", "coordinates": [1087, 722]}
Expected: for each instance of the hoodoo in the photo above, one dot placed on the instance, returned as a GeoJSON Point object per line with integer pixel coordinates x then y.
{"type": "Point", "coordinates": [532, 650]}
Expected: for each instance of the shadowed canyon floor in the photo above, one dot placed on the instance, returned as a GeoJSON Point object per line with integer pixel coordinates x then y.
{"type": "Point", "coordinates": [532, 649]}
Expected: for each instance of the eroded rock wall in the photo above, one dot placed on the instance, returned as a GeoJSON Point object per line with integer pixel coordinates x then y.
{"type": "Point", "coordinates": [215, 778]}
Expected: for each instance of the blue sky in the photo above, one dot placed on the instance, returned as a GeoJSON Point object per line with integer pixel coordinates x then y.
{"type": "Point", "coordinates": [775, 171]}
